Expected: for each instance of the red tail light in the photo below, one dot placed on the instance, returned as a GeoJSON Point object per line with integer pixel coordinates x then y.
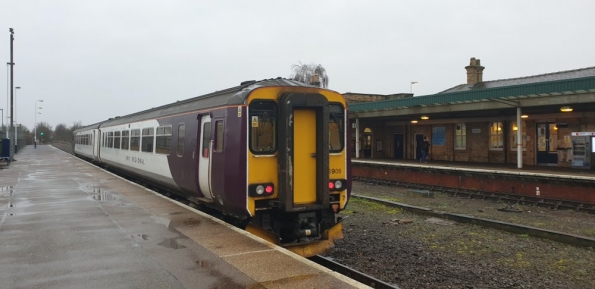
{"type": "Point", "coordinates": [331, 185]}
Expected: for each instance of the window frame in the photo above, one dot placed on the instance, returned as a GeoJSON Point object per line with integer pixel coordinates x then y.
{"type": "Point", "coordinates": [218, 146]}
{"type": "Point", "coordinates": [340, 129]}
{"type": "Point", "coordinates": [263, 111]}
{"type": "Point", "coordinates": [499, 136]}
{"type": "Point", "coordinates": [181, 139]}
{"type": "Point", "coordinates": [460, 138]}
{"type": "Point", "coordinates": [135, 135]}
{"type": "Point", "coordinates": [147, 133]}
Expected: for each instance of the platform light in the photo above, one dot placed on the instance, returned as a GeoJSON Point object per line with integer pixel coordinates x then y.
{"type": "Point", "coordinates": [414, 121]}
{"type": "Point", "coordinates": [524, 116]}
{"type": "Point", "coordinates": [566, 109]}
{"type": "Point", "coordinates": [425, 117]}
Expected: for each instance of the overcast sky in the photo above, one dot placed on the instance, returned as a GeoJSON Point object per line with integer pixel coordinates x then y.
{"type": "Point", "coordinates": [92, 60]}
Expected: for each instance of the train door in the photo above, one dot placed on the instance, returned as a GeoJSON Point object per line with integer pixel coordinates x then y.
{"type": "Point", "coordinates": [398, 145]}
{"type": "Point", "coordinates": [204, 159]}
{"type": "Point", "coordinates": [547, 146]}
{"type": "Point", "coordinates": [304, 143]}
{"type": "Point", "coordinates": [304, 152]}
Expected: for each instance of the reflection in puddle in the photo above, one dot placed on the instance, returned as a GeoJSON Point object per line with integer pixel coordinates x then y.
{"type": "Point", "coordinates": [203, 264]}
{"type": "Point", "coordinates": [171, 243]}
{"type": "Point", "coordinates": [104, 196]}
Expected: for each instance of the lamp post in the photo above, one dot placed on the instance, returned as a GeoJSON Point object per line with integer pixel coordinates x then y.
{"type": "Point", "coordinates": [411, 86]}
{"type": "Point", "coordinates": [35, 128]}
{"type": "Point", "coordinates": [2, 118]}
{"type": "Point", "coordinates": [16, 137]}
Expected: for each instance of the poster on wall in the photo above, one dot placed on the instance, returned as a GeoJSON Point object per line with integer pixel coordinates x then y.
{"type": "Point", "coordinates": [438, 136]}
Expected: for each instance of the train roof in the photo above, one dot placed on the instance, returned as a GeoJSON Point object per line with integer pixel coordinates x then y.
{"type": "Point", "coordinates": [231, 96]}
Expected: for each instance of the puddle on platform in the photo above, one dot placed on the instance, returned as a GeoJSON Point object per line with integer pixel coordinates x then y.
{"type": "Point", "coordinates": [6, 189]}
{"type": "Point", "coordinates": [172, 244]}
{"type": "Point", "coordinates": [203, 264]}
{"type": "Point", "coordinates": [104, 197]}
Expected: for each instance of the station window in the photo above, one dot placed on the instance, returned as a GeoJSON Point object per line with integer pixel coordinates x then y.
{"type": "Point", "coordinates": [117, 139]}
{"type": "Point", "coordinates": [263, 126]}
{"type": "Point", "coordinates": [496, 136]}
{"type": "Point", "coordinates": [336, 128]}
{"type": "Point", "coordinates": [125, 139]}
{"type": "Point", "coordinates": [219, 136]}
{"type": "Point", "coordinates": [460, 136]}
{"type": "Point", "coordinates": [110, 139]}
{"type": "Point", "coordinates": [513, 135]}
{"type": "Point", "coordinates": [135, 140]}
{"type": "Point", "coordinates": [163, 140]}
{"type": "Point", "coordinates": [148, 137]}
{"type": "Point", "coordinates": [181, 137]}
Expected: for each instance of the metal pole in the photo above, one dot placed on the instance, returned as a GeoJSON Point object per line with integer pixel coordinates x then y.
{"type": "Point", "coordinates": [357, 144]}
{"type": "Point", "coordinates": [11, 84]}
{"type": "Point", "coordinates": [2, 117]}
{"type": "Point", "coordinates": [16, 135]}
{"type": "Point", "coordinates": [519, 141]}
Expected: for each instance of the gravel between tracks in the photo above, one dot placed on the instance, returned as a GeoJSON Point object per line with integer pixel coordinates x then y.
{"type": "Point", "coordinates": [416, 251]}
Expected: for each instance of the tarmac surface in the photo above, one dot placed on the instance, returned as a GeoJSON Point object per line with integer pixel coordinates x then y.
{"type": "Point", "coordinates": [68, 224]}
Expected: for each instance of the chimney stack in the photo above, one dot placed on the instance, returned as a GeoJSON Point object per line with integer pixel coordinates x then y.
{"type": "Point", "coordinates": [474, 71]}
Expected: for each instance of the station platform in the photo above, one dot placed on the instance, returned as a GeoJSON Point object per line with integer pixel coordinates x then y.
{"type": "Point", "coordinates": [68, 224]}
{"type": "Point", "coordinates": [550, 182]}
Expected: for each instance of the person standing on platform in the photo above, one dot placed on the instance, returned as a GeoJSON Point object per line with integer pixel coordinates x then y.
{"type": "Point", "coordinates": [425, 150]}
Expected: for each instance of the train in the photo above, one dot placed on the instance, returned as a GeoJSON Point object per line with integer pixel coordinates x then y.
{"type": "Point", "coordinates": [271, 154]}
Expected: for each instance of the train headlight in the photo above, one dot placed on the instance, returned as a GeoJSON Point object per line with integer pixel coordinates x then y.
{"type": "Point", "coordinates": [261, 190]}
{"type": "Point", "coordinates": [337, 185]}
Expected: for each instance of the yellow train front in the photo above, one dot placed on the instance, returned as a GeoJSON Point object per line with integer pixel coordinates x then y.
{"type": "Point", "coordinates": [298, 166]}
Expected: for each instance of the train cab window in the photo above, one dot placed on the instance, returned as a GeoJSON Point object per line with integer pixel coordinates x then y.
{"type": "Point", "coordinates": [117, 140]}
{"type": "Point", "coordinates": [163, 140]}
{"type": "Point", "coordinates": [147, 139]}
{"type": "Point", "coordinates": [336, 128]}
{"type": "Point", "coordinates": [110, 139]}
{"type": "Point", "coordinates": [125, 139]}
{"type": "Point", "coordinates": [181, 137]}
{"type": "Point", "coordinates": [135, 140]}
{"type": "Point", "coordinates": [263, 126]}
{"type": "Point", "coordinates": [219, 136]}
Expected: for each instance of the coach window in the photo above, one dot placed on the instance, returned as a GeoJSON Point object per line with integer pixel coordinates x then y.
{"type": "Point", "coordinates": [117, 139]}
{"type": "Point", "coordinates": [219, 136]}
{"type": "Point", "coordinates": [336, 128]}
{"type": "Point", "coordinates": [148, 136]}
{"type": "Point", "coordinates": [110, 139]}
{"type": "Point", "coordinates": [496, 136]}
{"type": "Point", "coordinates": [181, 136]}
{"type": "Point", "coordinates": [135, 140]}
{"type": "Point", "coordinates": [460, 136]}
{"type": "Point", "coordinates": [125, 139]}
{"type": "Point", "coordinates": [263, 126]}
{"type": "Point", "coordinates": [163, 140]}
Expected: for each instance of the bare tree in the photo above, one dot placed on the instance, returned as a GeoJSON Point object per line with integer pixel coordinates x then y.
{"type": "Point", "coordinates": [61, 132]}
{"type": "Point", "coordinates": [44, 132]}
{"type": "Point", "coordinates": [304, 72]}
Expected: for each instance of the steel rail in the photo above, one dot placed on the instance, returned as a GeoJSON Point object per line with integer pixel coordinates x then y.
{"type": "Point", "coordinates": [351, 273]}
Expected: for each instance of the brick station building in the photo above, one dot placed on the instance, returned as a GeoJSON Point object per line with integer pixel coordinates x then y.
{"type": "Point", "coordinates": [478, 121]}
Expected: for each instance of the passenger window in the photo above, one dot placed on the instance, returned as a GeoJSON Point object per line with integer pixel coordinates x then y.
{"type": "Point", "coordinates": [336, 128]}
{"type": "Point", "coordinates": [181, 137]}
{"type": "Point", "coordinates": [219, 136]}
{"type": "Point", "coordinates": [117, 140]}
{"type": "Point", "coordinates": [148, 136]}
{"type": "Point", "coordinates": [125, 139]}
{"type": "Point", "coordinates": [135, 140]}
{"type": "Point", "coordinates": [206, 139]}
{"type": "Point", "coordinates": [110, 139]}
{"type": "Point", "coordinates": [263, 126]}
{"type": "Point", "coordinates": [163, 140]}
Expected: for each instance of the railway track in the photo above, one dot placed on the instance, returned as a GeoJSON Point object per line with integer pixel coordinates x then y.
{"type": "Point", "coordinates": [501, 197]}
{"type": "Point", "coordinates": [352, 273]}
{"type": "Point", "coordinates": [557, 236]}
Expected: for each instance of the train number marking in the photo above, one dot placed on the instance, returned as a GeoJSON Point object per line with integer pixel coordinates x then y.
{"type": "Point", "coordinates": [135, 160]}
{"type": "Point", "coordinates": [334, 171]}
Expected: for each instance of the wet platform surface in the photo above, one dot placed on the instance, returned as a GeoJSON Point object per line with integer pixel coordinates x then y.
{"type": "Point", "coordinates": [67, 224]}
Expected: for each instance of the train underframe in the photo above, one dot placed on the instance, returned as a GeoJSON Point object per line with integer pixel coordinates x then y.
{"type": "Point", "coordinates": [305, 233]}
